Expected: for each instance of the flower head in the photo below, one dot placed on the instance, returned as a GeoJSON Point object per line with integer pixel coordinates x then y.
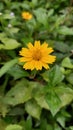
{"type": "Point", "coordinates": [37, 56]}
{"type": "Point", "coordinates": [26, 15]}
{"type": "Point", "coordinates": [12, 14]}
{"type": "Point", "coordinates": [0, 13]}
{"type": "Point", "coordinates": [9, 25]}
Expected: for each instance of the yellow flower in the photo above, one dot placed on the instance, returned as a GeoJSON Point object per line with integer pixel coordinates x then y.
{"type": "Point", "coordinates": [37, 56]}
{"type": "Point", "coordinates": [26, 15]}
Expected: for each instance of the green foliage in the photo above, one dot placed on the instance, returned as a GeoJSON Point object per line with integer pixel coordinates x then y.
{"type": "Point", "coordinates": [67, 63]}
{"type": "Point", "coordinates": [13, 127]}
{"type": "Point", "coordinates": [20, 93]}
{"type": "Point", "coordinates": [33, 109]}
{"type": "Point", "coordinates": [8, 43]}
{"type": "Point", "coordinates": [66, 31]}
{"type": "Point", "coordinates": [36, 100]}
{"type": "Point", "coordinates": [42, 16]}
{"type": "Point", "coordinates": [53, 102]}
{"type": "Point", "coordinates": [54, 76]}
{"type": "Point", "coordinates": [7, 66]}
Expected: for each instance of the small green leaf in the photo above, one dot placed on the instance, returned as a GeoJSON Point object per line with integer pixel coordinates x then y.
{"type": "Point", "coordinates": [65, 30]}
{"type": "Point", "coordinates": [53, 76]}
{"type": "Point", "coordinates": [10, 44]}
{"type": "Point", "coordinates": [41, 16]}
{"type": "Point", "coordinates": [3, 108]}
{"type": "Point", "coordinates": [17, 72]}
{"type": "Point", "coordinates": [2, 124]}
{"type": "Point", "coordinates": [2, 35]}
{"type": "Point", "coordinates": [20, 93]}
{"type": "Point", "coordinates": [59, 20]}
{"type": "Point", "coordinates": [13, 127]}
{"type": "Point", "coordinates": [62, 47]}
{"type": "Point", "coordinates": [34, 2]}
{"type": "Point", "coordinates": [7, 66]}
{"type": "Point", "coordinates": [70, 78]}
{"type": "Point", "coordinates": [28, 124]}
{"type": "Point", "coordinates": [50, 12]}
{"type": "Point", "coordinates": [61, 121]}
{"type": "Point", "coordinates": [1, 6]}
{"type": "Point", "coordinates": [13, 30]}
{"type": "Point", "coordinates": [43, 124]}
{"type": "Point", "coordinates": [39, 100]}
{"type": "Point", "coordinates": [67, 63]}
{"type": "Point", "coordinates": [33, 108]}
{"type": "Point", "coordinates": [8, 16]}
{"type": "Point", "coordinates": [71, 127]}
{"type": "Point", "coordinates": [1, 46]}
{"type": "Point", "coordinates": [53, 101]}
{"type": "Point", "coordinates": [57, 127]}
{"type": "Point", "coordinates": [24, 5]}
{"type": "Point", "coordinates": [65, 94]}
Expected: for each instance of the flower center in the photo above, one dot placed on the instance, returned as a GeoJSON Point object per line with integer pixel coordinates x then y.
{"type": "Point", "coordinates": [37, 55]}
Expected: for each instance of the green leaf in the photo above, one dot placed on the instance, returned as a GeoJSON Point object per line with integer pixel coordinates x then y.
{"type": "Point", "coordinates": [2, 35]}
{"type": "Point", "coordinates": [41, 16]}
{"type": "Point", "coordinates": [8, 16]}
{"type": "Point", "coordinates": [57, 127]}
{"type": "Point", "coordinates": [13, 30]}
{"type": "Point", "coordinates": [62, 47]}
{"type": "Point", "coordinates": [50, 12]}
{"type": "Point", "coordinates": [28, 124]}
{"type": "Point", "coordinates": [3, 107]}
{"type": "Point", "coordinates": [1, 46]}
{"type": "Point", "coordinates": [7, 66]}
{"type": "Point", "coordinates": [39, 95]}
{"type": "Point", "coordinates": [65, 30]}
{"type": "Point", "coordinates": [49, 127]}
{"type": "Point", "coordinates": [16, 111]}
{"type": "Point", "coordinates": [17, 72]}
{"type": "Point", "coordinates": [43, 124]}
{"type": "Point", "coordinates": [70, 78]}
{"type": "Point", "coordinates": [65, 94]}
{"type": "Point", "coordinates": [53, 76]}
{"type": "Point", "coordinates": [20, 93]}
{"type": "Point", "coordinates": [2, 124]}
{"type": "Point", "coordinates": [39, 100]}
{"type": "Point", "coordinates": [67, 63]}
{"type": "Point", "coordinates": [33, 108]}
{"type": "Point", "coordinates": [34, 2]}
{"type": "Point", "coordinates": [61, 120]}
{"type": "Point", "coordinates": [24, 5]}
{"type": "Point", "coordinates": [53, 101]}
{"type": "Point", "coordinates": [71, 127]}
{"type": "Point", "coordinates": [1, 6]}
{"type": "Point", "coordinates": [59, 20]}
{"type": "Point", "coordinates": [13, 127]}
{"type": "Point", "coordinates": [9, 44]}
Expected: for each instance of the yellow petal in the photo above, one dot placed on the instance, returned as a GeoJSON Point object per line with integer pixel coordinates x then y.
{"type": "Point", "coordinates": [48, 59]}
{"type": "Point", "coordinates": [24, 59]}
{"type": "Point", "coordinates": [29, 65]}
{"type": "Point", "coordinates": [50, 50]}
{"type": "Point", "coordinates": [38, 65]}
{"type": "Point", "coordinates": [46, 66]}
{"type": "Point", "coordinates": [37, 45]}
{"type": "Point", "coordinates": [44, 45]}
{"type": "Point", "coordinates": [25, 52]}
{"type": "Point", "coordinates": [47, 50]}
{"type": "Point", "coordinates": [30, 46]}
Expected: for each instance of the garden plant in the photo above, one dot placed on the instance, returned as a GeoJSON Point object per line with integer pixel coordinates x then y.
{"type": "Point", "coordinates": [36, 64]}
